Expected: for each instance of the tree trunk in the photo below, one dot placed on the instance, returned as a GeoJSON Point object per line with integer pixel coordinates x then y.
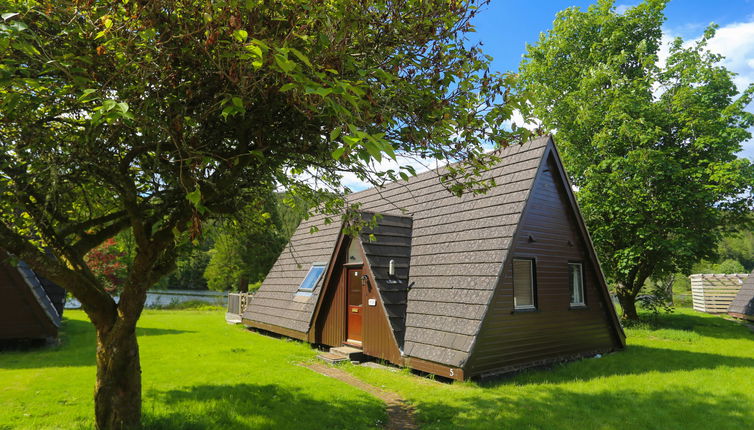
{"type": "Point", "coordinates": [117, 394]}
{"type": "Point", "coordinates": [628, 304]}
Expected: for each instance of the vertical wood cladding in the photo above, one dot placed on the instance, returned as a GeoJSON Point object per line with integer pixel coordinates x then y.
{"type": "Point", "coordinates": [549, 234]}
{"type": "Point", "coordinates": [21, 316]}
{"type": "Point", "coordinates": [330, 322]}
{"type": "Point", "coordinates": [379, 340]}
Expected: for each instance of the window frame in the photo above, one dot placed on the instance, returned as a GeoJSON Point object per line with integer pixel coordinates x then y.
{"type": "Point", "coordinates": [571, 303]}
{"type": "Point", "coordinates": [308, 291]}
{"type": "Point", "coordinates": [532, 284]}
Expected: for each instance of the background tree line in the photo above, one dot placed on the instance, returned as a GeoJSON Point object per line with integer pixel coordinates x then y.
{"type": "Point", "coordinates": [233, 253]}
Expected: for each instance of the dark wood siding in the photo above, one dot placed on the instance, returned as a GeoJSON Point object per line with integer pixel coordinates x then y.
{"type": "Point", "coordinates": [21, 316]}
{"type": "Point", "coordinates": [330, 324]}
{"type": "Point", "coordinates": [378, 337]}
{"type": "Point", "coordinates": [330, 320]}
{"type": "Point", "coordinates": [549, 234]}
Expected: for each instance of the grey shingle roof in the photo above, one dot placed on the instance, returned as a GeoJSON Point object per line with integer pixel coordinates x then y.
{"type": "Point", "coordinates": [744, 302]}
{"type": "Point", "coordinates": [33, 282]}
{"type": "Point", "coordinates": [458, 246]}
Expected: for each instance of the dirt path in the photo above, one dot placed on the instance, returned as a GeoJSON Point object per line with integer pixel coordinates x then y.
{"type": "Point", "coordinates": [399, 414]}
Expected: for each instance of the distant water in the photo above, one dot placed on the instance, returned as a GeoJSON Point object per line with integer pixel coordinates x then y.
{"type": "Point", "coordinates": [167, 297]}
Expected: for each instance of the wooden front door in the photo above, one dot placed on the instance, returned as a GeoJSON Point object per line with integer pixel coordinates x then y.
{"type": "Point", "coordinates": [355, 306]}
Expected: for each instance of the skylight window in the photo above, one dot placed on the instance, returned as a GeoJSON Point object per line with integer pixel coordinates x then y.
{"type": "Point", "coordinates": [312, 277]}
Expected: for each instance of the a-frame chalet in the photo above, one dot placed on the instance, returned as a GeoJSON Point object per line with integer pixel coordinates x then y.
{"type": "Point", "coordinates": [456, 286]}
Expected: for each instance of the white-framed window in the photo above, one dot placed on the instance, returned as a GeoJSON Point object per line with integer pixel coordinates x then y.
{"type": "Point", "coordinates": [576, 283]}
{"type": "Point", "coordinates": [312, 277]}
{"type": "Point", "coordinates": [523, 284]}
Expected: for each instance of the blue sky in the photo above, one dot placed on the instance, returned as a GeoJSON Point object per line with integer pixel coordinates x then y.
{"type": "Point", "coordinates": [505, 26]}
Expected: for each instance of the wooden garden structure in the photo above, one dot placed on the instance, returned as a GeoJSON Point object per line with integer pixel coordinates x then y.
{"type": "Point", "coordinates": [714, 293]}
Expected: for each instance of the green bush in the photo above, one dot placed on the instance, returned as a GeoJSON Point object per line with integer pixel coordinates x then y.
{"type": "Point", "coordinates": [196, 305]}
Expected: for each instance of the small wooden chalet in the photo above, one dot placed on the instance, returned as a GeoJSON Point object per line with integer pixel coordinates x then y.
{"type": "Point", "coordinates": [30, 306]}
{"type": "Point", "coordinates": [456, 286]}
{"type": "Point", "coordinates": [742, 305]}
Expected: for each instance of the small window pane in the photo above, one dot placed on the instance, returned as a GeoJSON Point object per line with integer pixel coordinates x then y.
{"type": "Point", "coordinates": [354, 288]}
{"type": "Point", "coordinates": [354, 253]}
{"type": "Point", "coordinates": [311, 278]}
{"type": "Point", "coordinates": [576, 283]}
{"type": "Point", "coordinates": [523, 284]}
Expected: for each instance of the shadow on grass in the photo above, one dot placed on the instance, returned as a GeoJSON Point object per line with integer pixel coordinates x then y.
{"type": "Point", "coordinates": [635, 360]}
{"type": "Point", "coordinates": [708, 326]}
{"type": "Point", "coordinates": [76, 347]}
{"type": "Point", "coordinates": [253, 406]}
{"type": "Point", "coordinates": [556, 408]}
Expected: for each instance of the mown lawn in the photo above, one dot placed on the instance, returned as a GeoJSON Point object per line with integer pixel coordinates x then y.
{"type": "Point", "coordinates": [198, 373]}
{"type": "Point", "coordinates": [694, 371]}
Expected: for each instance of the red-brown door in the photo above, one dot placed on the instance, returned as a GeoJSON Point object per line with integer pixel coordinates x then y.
{"type": "Point", "coordinates": [355, 306]}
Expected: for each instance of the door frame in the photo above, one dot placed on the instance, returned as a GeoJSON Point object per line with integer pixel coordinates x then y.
{"type": "Point", "coordinates": [347, 268]}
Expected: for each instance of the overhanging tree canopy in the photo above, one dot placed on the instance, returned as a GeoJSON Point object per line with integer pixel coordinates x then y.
{"type": "Point", "coordinates": [651, 147]}
{"type": "Point", "coordinates": [155, 115]}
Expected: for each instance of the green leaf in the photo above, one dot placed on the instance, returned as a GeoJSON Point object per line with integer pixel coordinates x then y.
{"type": "Point", "coordinates": [8, 15]}
{"type": "Point", "coordinates": [237, 102]}
{"type": "Point", "coordinates": [240, 35]}
{"type": "Point", "coordinates": [301, 56]}
{"type": "Point", "coordinates": [334, 134]}
{"type": "Point", "coordinates": [19, 25]}
{"type": "Point", "coordinates": [287, 87]}
{"type": "Point", "coordinates": [339, 151]}
{"type": "Point", "coordinates": [195, 197]}
{"type": "Point", "coordinates": [85, 95]}
{"type": "Point", "coordinates": [228, 110]}
{"type": "Point", "coordinates": [322, 91]}
{"type": "Point", "coordinates": [351, 140]}
{"type": "Point", "coordinates": [387, 148]}
{"type": "Point", "coordinates": [255, 54]}
{"type": "Point", "coordinates": [108, 105]}
{"type": "Point", "coordinates": [284, 63]}
{"type": "Point", "coordinates": [260, 44]}
{"type": "Point", "coordinates": [26, 48]}
{"type": "Point", "coordinates": [373, 149]}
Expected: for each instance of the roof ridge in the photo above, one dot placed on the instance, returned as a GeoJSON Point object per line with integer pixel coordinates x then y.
{"type": "Point", "coordinates": [544, 138]}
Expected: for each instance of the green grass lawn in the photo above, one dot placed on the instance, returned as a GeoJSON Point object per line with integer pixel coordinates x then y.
{"type": "Point", "coordinates": [693, 371]}
{"type": "Point", "coordinates": [198, 373]}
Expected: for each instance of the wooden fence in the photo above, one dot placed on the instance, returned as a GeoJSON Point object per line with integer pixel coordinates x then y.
{"type": "Point", "coordinates": [713, 293]}
{"type": "Point", "coordinates": [236, 306]}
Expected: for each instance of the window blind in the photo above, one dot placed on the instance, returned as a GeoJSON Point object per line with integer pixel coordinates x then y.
{"type": "Point", "coordinates": [577, 284]}
{"type": "Point", "coordinates": [523, 284]}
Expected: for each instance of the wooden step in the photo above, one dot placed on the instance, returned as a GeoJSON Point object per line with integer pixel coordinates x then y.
{"type": "Point", "coordinates": [351, 353]}
{"type": "Point", "coordinates": [331, 358]}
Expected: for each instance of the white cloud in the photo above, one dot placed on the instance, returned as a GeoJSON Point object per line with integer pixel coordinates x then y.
{"type": "Point", "coordinates": [622, 8]}
{"type": "Point", "coordinates": [353, 182]}
{"type": "Point", "coordinates": [735, 42]}
{"type": "Point", "coordinates": [518, 120]}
